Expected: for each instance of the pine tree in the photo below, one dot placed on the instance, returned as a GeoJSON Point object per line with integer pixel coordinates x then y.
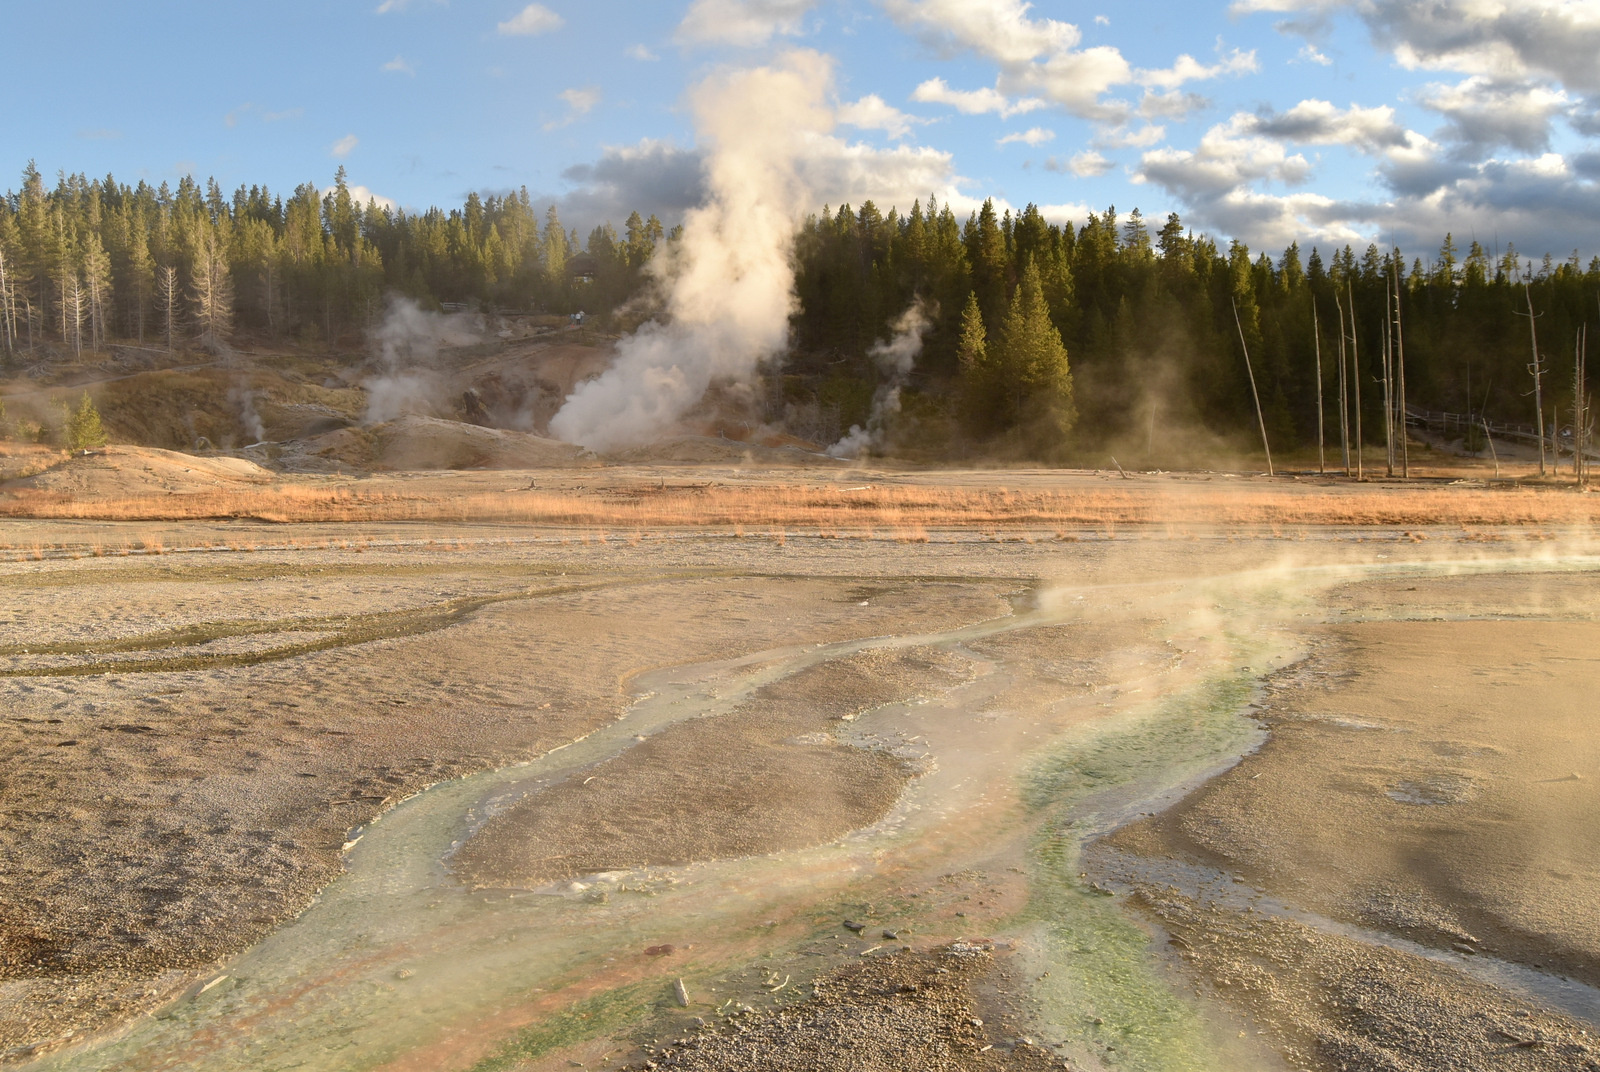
{"type": "Point", "coordinates": [1032, 362]}
{"type": "Point", "coordinates": [83, 427]}
{"type": "Point", "coordinates": [972, 351]}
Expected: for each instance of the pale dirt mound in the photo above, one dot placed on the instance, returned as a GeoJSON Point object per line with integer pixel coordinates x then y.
{"type": "Point", "coordinates": [698, 450]}
{"type": "Point", "coordinates": [419, 443]}
{"type": "Point", "coordinates": [123, 471]}
{"type": "Point", "coordinates": [431, 443]}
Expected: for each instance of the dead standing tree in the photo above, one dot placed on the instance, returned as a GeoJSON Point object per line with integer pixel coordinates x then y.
{"type": "Point", "coordinates": [1535, 370]}
{"type": "Point", "coordinates": [1260, 419]}
{"type": "Point", "coordinates": [1316, 340]}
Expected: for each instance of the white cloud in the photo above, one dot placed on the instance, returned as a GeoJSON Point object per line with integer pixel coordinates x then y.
{"type": "Point", "coordinates": [1173, 104]}
{"type": "Point", "coordinates": [1031, 136]}
{"type": "Point", "coordinates": [1319, 122]}
{"type": "Point", "coordinates": [743, 23]}
{"type": "Point", "coordinates": [1485, 115]}
{"type": "Point", "coordinates": [1501, 39]}
{"type": "Point", "coordinates": [872, 112]}
{"type": "Point", "coordinates": [531, 21]}
{"type": "Point", "coordinates": [641, 53]}
{"type": "Point", "coordinates": [1123, 138]}
{"type": "Point", "coordinates": [232, 118]}
{"type": "Point", "coordinates": [1102, 20]}
{"type": "Point", "coordinates": [1310, 54]}
{"type": "Point", "coordinates": [1085, 165]}
{"type": "Point", "coordinates": [344, 146]}
{"type": "Point", "coordinates": [399, 66]}
{"type": "Point", "coordinates": [973, 101]}
{"type": "Point", "coordinates": [361, 195]}
{"type": "Point", "coordinates": [580, 102]}
{"type": "Point", "coordinates": [1188, 69]}
{"type": "Point", "coordinates": [400, 5]}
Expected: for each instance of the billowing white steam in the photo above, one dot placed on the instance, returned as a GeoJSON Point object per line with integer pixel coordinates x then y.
{"type": "Point", "coordinates": [895, 357]}
{"type": "Point", "coordinates": [408, 340]}
{"type": "Point", "coordinates": [728, 283]}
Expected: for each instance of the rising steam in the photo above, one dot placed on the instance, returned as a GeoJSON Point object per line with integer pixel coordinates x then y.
{"type": "Point", "coordinates": [895, 358]}
{"type": "Point", "coordinates": [408, 340]}
{"type": "Point", "coordinates": [728, 283]}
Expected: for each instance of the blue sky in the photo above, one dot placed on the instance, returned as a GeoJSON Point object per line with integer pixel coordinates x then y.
{"type": "Point", "coordinates": [1264, 119]}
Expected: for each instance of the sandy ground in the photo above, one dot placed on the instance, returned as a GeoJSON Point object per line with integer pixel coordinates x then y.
{"type": "Point", "coordinates": [160, 815]}
{"type": "Point", "coordinates": [1432, 779]}
{"type": "Point", "coordinates": [191, 741]}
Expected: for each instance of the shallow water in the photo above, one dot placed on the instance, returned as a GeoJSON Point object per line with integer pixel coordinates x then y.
{"type": "Point", "coordinates": [396, 959]}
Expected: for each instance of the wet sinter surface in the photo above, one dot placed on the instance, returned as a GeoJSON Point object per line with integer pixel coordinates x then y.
{"type": "Point", "coordinates": [398, 965]}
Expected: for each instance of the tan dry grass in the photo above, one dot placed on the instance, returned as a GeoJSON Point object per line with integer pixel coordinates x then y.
{"type": "Point", "coordinates": [900, 509]}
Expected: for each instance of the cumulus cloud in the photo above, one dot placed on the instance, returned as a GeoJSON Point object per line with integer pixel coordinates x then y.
{"type": "Point", "coordinates": [1085, 165]}
{"type": "Point", "coordinates": [872, 112]}
{"type": "Point", "coordinates": [1503, 39]}
{"type": "Point", "coordinates": [1319, 122]}
{"type": "Point", "coordinates": [1188, 69]}
{"type": "Point", "coordinates": [1174, 104]}
{"type": "Point", "coordinates": [531, 21]}
{"type": "Point", "coordinates": [361, 195]}
{"type": "Point", "coordinates": [1485, 115]}
{"type": "Point", "coordinates": [580, 102]}
{"type": "Point", "coordinates": [1124, 137]}
{"type": "Point", "coordinates": [1041, 57]}
{"type": "Point", "coordinates": [974, 101]}
{"type": "Point", "coordinates": [641, 53]}
{"type": "Point", "coordinates": [398, 65]}
{"type": "Point", "coordinates": [742, 23]}
{"type": "Point", "coordinates": [344, 146]}
{"type": "Point", "coordinates": [1031, 136]}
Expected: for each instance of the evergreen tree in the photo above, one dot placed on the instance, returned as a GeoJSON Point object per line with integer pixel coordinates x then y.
{"type": "Point", "coordinates": [83, 429]}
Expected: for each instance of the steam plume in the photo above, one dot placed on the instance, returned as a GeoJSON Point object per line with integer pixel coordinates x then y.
{"type": "Point", "coordinates": [408, 340]}
{"type": "Point", "coordinates": [728, 283]}
{"type": "Point", "coordinates": [895, 357]}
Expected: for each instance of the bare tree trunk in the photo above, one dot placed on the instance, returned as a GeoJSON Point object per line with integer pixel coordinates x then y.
{"type": "Point", "coordinates": [8, 307]}
{"type": "Point", "coordinates": [1400, 367]}
{"type": "Point", "coordinates": [167, 290]}
{"type": "Point", "coordinates": [1386, 357]}
{"type": "Point", "coordinates": [72, 308]}
{"type": "Point", "coordinates": [1537, 373]}
{"type": "Point", "coordinates": [1344, 389]}
{"type": "Point", "coordinates": [1316, 338]}
{"type": "Point", "coordinates": [1260, 419]}
{"type": "Point", "coordinates": [1355, 369]}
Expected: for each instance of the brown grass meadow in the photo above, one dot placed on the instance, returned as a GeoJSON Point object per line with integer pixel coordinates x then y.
{"type": "Point", "coordinates": [1083, 502]}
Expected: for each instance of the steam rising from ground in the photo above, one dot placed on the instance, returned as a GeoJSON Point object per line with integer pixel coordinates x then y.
{"type": "Point", "coordinates": [408, 341]}
{"type": "Point", "coordinates": [895, 358]}
{"type": "Point", "coordinates": [728, 284]}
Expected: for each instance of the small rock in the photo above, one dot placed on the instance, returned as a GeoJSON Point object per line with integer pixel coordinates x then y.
{"type": "Point", "coordinates": [893, 936]}
{"type": "Point", "coordinates": [852, 925]}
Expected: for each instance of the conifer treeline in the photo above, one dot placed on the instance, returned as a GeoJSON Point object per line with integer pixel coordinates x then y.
{"type": "Point", "coordinates": [1147, 318]}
